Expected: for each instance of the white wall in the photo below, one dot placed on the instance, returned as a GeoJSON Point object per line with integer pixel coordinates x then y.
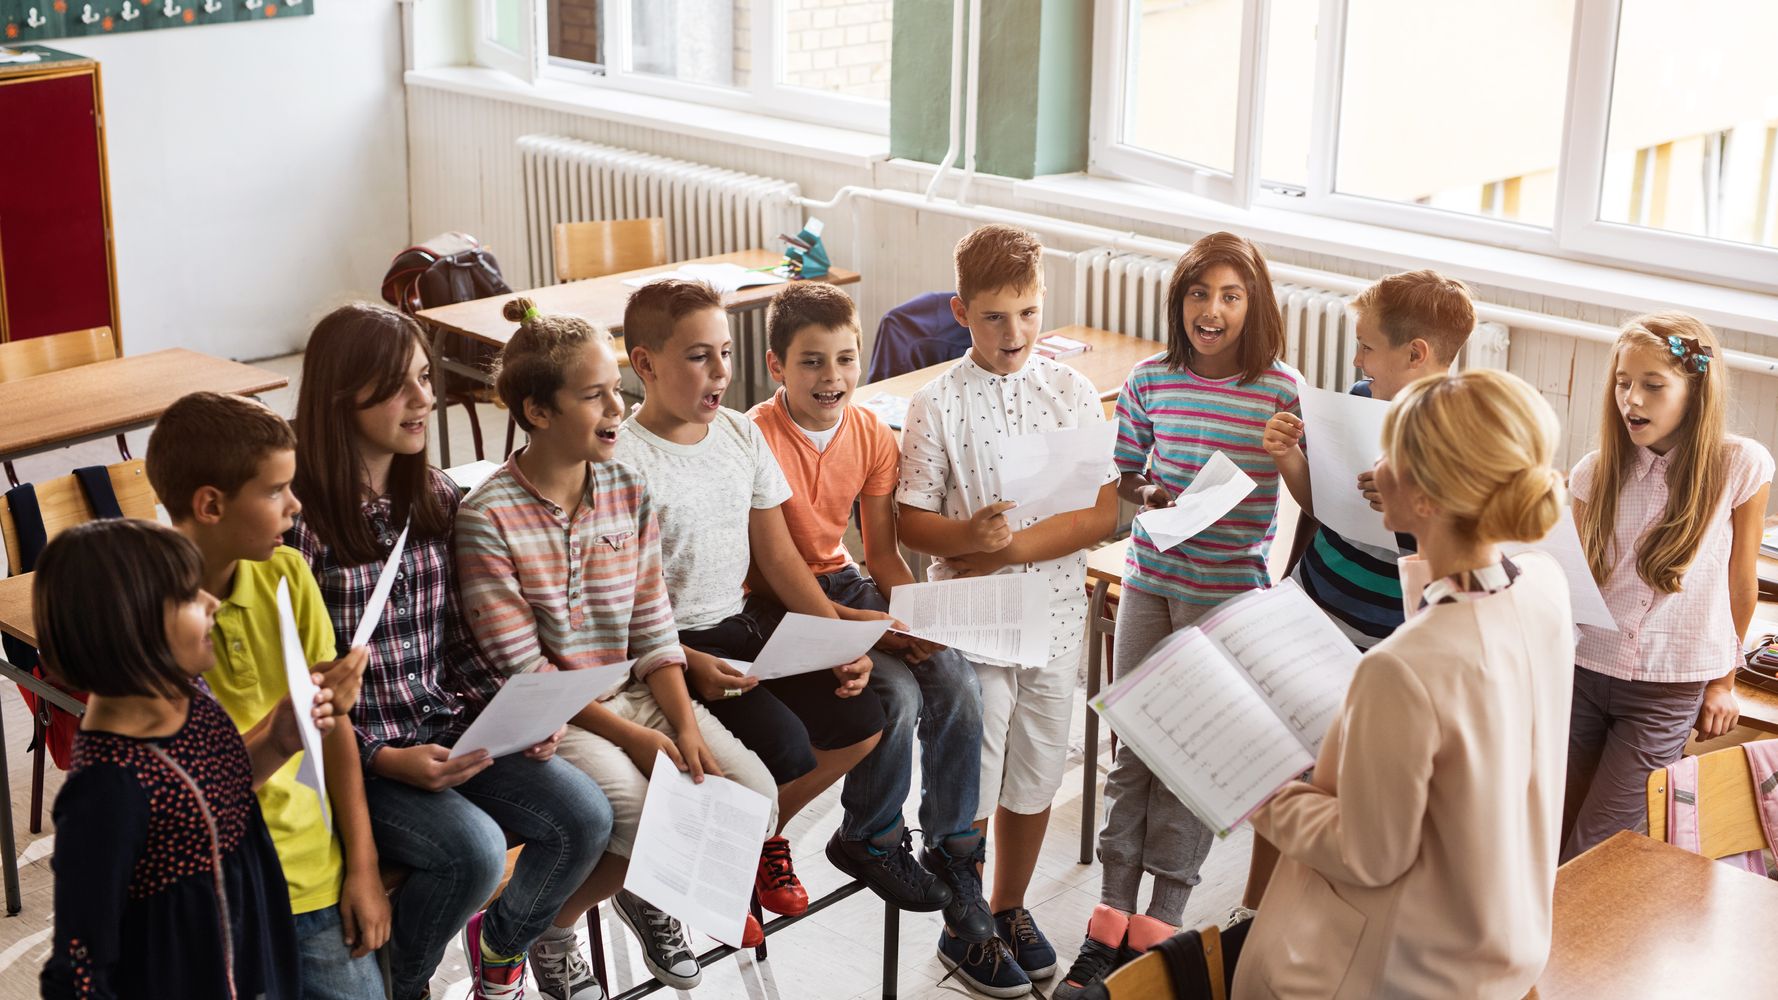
{"type": "Point", "coordinates": [258, 174]}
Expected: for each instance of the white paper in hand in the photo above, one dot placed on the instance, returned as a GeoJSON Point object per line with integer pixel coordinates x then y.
{"type": "Point", "coordinates": [803, 644]}
{"type": "Point", "coordinates": [1344, 435]}
{"type": "Point", "coordinates": [302, 700]}
{"type": "Point", "coordinates": [1214, 491]}
{"type": "Point", "coordinates": [697, 846]}
{"type": "Point", "coordinates": [1003, 617]}
{"type": "Point", "coordinates": [379, 596]}
{"type": "Point", "coordinates": [1563, 544]}
{"type": "Point", "coordinates": [1056, 471]}
{"type": "Point", "coordinates": [529, 707]}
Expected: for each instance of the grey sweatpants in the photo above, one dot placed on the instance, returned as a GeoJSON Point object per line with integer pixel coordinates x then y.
{"type": "Point", "coordinates": [1619, 731]}
{"type": "Point", "coordinates": [1146, 827]}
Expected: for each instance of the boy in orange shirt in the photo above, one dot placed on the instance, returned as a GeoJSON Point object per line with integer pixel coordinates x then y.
{"type": "Point", "coordinates": [834, 455]}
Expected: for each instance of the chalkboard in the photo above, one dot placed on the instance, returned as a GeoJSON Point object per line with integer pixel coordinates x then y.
{"type": "Point", "coordinates": [35, 20]}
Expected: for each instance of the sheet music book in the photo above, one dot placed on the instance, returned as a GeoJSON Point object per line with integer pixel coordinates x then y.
{"type": "Point", "coordinates": [1227, 711]}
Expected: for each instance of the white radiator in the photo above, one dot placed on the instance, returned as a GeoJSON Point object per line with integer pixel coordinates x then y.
{"type": "Point", "coordinates": [1127, 293]}
{"type": "Point", "coordinates": [708, 210]}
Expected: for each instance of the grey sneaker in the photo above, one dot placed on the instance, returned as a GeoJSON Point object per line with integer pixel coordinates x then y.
{"type": "Point", "coordinates": [665, 949]}
{"type": "Point", "coordinates": [561, 972]}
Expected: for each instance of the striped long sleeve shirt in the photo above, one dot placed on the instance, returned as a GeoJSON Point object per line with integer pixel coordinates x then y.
{"type": "Point", "coordinates": [1169, 423]}
{"type": "Point", "coordinates": [546, 589]}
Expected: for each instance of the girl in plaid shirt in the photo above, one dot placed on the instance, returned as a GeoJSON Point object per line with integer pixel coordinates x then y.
{"type": "Point", "coordinates": [362, 416]}
{"type": "Point", "coordinates": [1669, 510]}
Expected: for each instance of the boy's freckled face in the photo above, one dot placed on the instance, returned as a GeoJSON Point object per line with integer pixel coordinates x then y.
{"type": "Point", "coordinates": [255, 518]}
{"type": "Point", "coordinates": [692, 369]}
{"type": "Point", "coordinates": [819, 373]}
{"type": "Point", "coordinates": [1003, 324]}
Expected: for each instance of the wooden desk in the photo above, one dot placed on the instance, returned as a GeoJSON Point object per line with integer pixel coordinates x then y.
{"type": "Point", "coordinates": [1106, 365]}
{"type": "Point", "coordinates": [15, 608]}
{"type": "Point", "coordinates": [1759, 708]}
{"type": "Point", "coordinates": [1638, 918]}
{"type": "Point", "coordinates": [99, 400]}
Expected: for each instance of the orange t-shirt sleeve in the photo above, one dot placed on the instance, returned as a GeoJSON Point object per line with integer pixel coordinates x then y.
{"type": "Point", "coordinates": [882, 456]}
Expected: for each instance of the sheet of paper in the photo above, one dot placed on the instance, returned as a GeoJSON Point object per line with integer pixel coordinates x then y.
{"type": "Point", "coordinates": [893, 409]}
{"type": "Point", "coordinates": [1056, 471]}
{"type": "Point", "coordinates": [804, 643]}
{"type": "Point", "coordinates": [379, 595]}
{"type": "Point", "coordinates": [1215, 491]}
{"type": "Point", "coordinates": [697, 846]}
{"type": "Point", "coordinates": [531, 706]}
{"type": "Point", "coordinates": [1001, 617]}
{"type": "Point", "coordinates": [725, 278]}
{"type": "Point", "coordinates": [302, 699]}
{"type": "Point", "coordinates": [1344, 436]}
{"type": "Point", "coordinates": [1296, 656]}
{"type": "Point", "coordinates": [472, 474]}
{"type": "Point", "coordinates": [1204, 732]}
{"type": "Point", "coordinates": [1563, 544]}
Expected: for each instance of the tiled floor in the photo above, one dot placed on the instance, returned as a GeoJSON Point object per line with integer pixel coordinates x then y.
{"type": "Point", "coordinates": [835, 954]}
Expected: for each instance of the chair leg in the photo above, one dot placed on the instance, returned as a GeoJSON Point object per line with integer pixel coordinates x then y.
{"type": "Point", "coordinates": [759, 953]}
{"type": "Point", "coordinates": [123, 448]}
{"type": "Point", "coordinates": [512, 429]}
{"type": "Point", "coordinates": [12, 475]}
{"type": "Point", "coordinates": [475, 427]}
{"type": "Point", "coordinates": [39, 748]}
{"type": "Point", "coordinates": [1089, 766]}
{"type": "Point", "coordinates": [596, 943]}
{"type": "Point", "coordinates": [891, 949]}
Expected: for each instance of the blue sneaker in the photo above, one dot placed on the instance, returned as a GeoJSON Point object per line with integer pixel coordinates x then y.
{"type": "Point", "coordinates": [988, 967]}
{"type": "Point", "coordinates": [1029, 946]}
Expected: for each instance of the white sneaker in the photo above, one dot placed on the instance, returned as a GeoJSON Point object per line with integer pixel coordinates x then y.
{"type": "Point", "coordinates": [665, 949]}
{"type": "Point", "coordinates": [561, 972]}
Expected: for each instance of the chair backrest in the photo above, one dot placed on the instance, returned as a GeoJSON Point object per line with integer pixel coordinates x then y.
{"type": "Point", "coordinates": [64, 504]}
{"type": "Point", "coordinates": [595, 249]}
{"type": "Point", "coordinates": [1728, 810]}
{"type": "Point", "coordinates": [917, 334]}
{"type": "Point", "coordinates": [41, 355]}
{"type": "Point", "coordinates": [1148, 976]}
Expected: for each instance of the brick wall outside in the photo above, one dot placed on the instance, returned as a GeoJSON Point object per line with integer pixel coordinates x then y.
{"type": "Point", "coordinates": [841, 46]}
{"type": "Point", "coordinates": [574, 30]}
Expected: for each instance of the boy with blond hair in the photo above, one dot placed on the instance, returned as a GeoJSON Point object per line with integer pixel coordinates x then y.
{"type": "Point", "coordinates": [950, 507]}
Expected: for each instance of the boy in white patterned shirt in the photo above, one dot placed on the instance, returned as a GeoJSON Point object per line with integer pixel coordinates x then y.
{"type": "Point", "coordinates": [949, 505]}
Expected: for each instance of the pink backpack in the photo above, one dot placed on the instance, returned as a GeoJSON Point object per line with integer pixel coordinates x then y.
{"type": "Point", "coordinates": [1682, 805]}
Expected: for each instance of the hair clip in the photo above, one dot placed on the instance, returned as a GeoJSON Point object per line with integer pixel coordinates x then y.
{"type": "Point", "coordinates": [1690, 353]}
{"type": "Point", "coordinates": [531, 313]}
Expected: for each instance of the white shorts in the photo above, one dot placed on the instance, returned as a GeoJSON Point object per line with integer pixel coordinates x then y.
{"type": "Point", "coordinates": [1026, 712]}
{"type": "Point", "coordinates": [623, 782]}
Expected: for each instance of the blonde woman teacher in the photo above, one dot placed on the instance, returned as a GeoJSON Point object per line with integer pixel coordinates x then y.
{"type": "Point", "coordinates": [1421, 858]}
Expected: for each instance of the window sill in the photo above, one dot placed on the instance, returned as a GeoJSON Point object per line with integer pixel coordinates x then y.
{"type": "Point", "coordinates": [757, 131]}
{"type": "Point", "coordinates": [1538, 274]}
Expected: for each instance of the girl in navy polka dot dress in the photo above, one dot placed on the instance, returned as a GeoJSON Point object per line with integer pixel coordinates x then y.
{"type": "Point", "coordinates": [167, 884]}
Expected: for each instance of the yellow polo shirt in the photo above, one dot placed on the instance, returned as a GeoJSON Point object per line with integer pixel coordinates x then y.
{"type": "Point", "coordinates": [248, 680]}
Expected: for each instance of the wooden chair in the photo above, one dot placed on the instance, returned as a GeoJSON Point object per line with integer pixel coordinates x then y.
{"type": "Point", "coordinates": [595, 249]}
{"type": "Point", "coordinates": [1147, 977]}
{"type": "Point", "coordinates": [63, 506]}
{"type": "Point", "coordinates": [22, 359]}
{"type": "Point", "coordinates": [1728, 808]}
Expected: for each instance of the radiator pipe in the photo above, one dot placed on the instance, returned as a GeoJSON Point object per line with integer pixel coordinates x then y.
{"type": "Point", "coordinates": [972, 97]}
{"type": "Point", "coordinates": [1130, 241]}
{"type": "Point", "coordinates": [944, 165]}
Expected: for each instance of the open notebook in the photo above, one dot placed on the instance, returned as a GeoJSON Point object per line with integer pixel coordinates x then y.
{"type": "Point", "coordinates": [1226, 711]}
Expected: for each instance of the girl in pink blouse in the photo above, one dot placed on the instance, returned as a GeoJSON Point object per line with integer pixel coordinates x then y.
{"type": "Point", "coordinates": [1669, 510]}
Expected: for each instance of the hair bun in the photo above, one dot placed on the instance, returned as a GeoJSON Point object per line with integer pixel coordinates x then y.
{"type": "Point", "coordinates": [515, 309]}
{"type": "Point", "coordinates": [1524, 508]}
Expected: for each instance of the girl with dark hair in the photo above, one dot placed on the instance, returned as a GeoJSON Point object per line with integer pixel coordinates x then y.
{"type": "Point", "coordinates": [167, 883]}
{"type": "Point", "coordinates": [362, 418]}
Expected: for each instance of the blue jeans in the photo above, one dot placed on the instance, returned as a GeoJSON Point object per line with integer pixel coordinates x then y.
{"type": "Point", "coordinates": [329, 972]}
{"type": "Point", "coordinates": [454, 844]}
{"type": "Point", "coordinates": [941, 700]}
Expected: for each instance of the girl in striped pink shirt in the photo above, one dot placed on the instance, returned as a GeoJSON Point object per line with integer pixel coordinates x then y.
{"type": "Point", "coordinates": [1669, 510]}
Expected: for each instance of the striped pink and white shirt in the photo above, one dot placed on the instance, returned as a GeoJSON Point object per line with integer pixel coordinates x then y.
{"type": "Point", "coordinates": [1669, 638]}
{"type": "Point", "coordinates": [544, 589]}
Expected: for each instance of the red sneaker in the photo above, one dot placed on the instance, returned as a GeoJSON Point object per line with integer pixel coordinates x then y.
{"type": "Point", "coordinates": [752, 935]}
{"type": "Point", "coordinates": [779, 889]}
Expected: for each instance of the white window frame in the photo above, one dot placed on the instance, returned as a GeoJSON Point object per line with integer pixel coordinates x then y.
{"type": "Point", "coordinates": [526, 62]}
{"type": "Point", "coordinates": [1576, 232]}
{"type": "Point", "coordinates": [763, 94]}
{"type": "Point", "coordinates": [1113, 29]}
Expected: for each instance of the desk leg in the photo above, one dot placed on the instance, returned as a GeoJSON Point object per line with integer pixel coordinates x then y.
{"type": "Point", "coordinates": [1089, 810]}
{"type": "Point", "coordinates": [7, 843]}
{"type": "Point", "coordinates": [439, 383]}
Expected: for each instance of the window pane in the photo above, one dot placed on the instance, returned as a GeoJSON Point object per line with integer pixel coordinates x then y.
{"type": "Point", "coordinates": [1456, 104]}
{"type": "Point", "coordinates": [697, 41]}
{"type": "Point", "coordinates": [839, 46]}
{"type": "Point", "coordinates": [1289, 100]}
{"type": "Point", "coordinates": [506, 19]}
{"type": "Point", "coordinates": [576, 27]}
{"type": "Point", "coordinates": [1692, 144]}
{"type": "Point", "coordinates": [1182, 76]}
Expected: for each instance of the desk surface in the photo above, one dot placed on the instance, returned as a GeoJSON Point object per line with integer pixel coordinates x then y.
{"type": "Point", "coordinates": [15, 608]}
{"type": "Point", "coordinates": [601, 300]}
{"type": "Point", "coordinates": [1106, 365]}
{"type": "Point", "coordinates": [106, 397]}
{"type": "Point", "coordinates": [1637, 918]}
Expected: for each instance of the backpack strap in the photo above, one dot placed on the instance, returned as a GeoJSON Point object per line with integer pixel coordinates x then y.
{"type": "Point", "coordinates": [95, 482]}
{"type": "Point", "coordinates": [1762, 761]}
{"type": "Point", "coordinates": [1682, 805]}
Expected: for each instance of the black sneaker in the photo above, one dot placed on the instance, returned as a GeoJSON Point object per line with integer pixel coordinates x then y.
{"type": "Point", "coordinates": [987, 967]}
{"type": "Point", "coordinates": [967, 915]}
{"type": "Point", "coordinates": [1029, 946]}
{"type": "Point", "coordinates": [891, 873]}
{"type": "Point", "coordinates": [1086, 977]}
